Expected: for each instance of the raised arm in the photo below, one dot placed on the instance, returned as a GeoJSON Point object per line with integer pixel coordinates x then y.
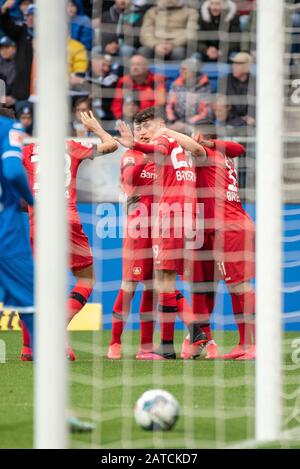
{"type": "Point", "coordinates": [231, 149]}
{"type": "Point", "coordinates": [186, 142]}
{"type": "Point", "coordinates": [108, 143]}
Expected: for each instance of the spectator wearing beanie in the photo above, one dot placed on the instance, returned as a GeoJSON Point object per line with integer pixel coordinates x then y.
{"type": "Point", "coordinates": [24, 114]}
{"type": "Point", "coordinates": [169, 30]}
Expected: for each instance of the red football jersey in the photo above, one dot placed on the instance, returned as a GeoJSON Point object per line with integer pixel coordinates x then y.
{"type": "Point", "coordinates": [138, 174]}
{"type": "Point", "coordinates": [217, 189]}
{"type": "Point", "coordinates": [176, 177]}
{"type": "Point", "coordinates": [75, 153]}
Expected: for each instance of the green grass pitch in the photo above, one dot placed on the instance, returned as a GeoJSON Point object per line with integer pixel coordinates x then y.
{"type": "Point", "coordinates": [216, 397]}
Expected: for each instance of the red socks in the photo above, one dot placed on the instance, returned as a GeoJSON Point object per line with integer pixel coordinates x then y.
{"type": "Point", "coordinates": [184, 309]}
{"type": "Point", "coordinates": [244, 313]}
{"type": "Point", "coordinates": [203, 306]}
{"type": "Point", "coordinates": [26, 339]}
{"type": "Point", "coordinates": [120, 314]}
{"type": "Point", "coordinates": [147, 322]}
{"type": "Point", "coordinates": [167, 307]}
{"type": "Point", "coordinates": [78, 298]}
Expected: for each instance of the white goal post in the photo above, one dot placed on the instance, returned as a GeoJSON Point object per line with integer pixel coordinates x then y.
{"type": "Point", "coordinates": [51, 246]}
{"type": "Point", "coordinates": [270, 53]}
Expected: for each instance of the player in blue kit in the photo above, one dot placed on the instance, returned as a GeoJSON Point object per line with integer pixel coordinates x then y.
{"type": "Point", "coordinates": [16, 263]}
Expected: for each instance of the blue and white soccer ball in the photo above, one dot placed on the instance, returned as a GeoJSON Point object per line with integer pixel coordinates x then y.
{"type": "Point", "coordinates": [156, 410]}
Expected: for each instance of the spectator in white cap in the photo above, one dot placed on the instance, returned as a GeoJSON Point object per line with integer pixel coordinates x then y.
{"type": "Point", "coordinates": [24, 114]}
{"type": "Point", "coordinates": [240, 88]}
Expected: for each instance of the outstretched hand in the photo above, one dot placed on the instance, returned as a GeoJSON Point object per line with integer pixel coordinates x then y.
{"type": "Point", "coordinates": [126, 136]}
{"type": "Point", "coordinates": [90, 122]}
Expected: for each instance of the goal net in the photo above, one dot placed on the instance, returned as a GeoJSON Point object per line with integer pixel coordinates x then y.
{"type": "Point", "coordinates": [239, 82]}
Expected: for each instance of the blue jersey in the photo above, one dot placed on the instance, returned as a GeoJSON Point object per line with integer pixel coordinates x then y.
{"type": "Point", "coordinates": [13, 235]}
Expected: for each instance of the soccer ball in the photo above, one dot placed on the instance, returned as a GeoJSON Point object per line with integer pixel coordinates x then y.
{"type": "Point", "coordinates": [156, 410]}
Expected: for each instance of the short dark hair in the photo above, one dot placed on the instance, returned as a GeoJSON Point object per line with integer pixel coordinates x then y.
{"type": "Point", "coordinates": [82, 99]}
{"type": "Point", "coordinates": [150, 113]}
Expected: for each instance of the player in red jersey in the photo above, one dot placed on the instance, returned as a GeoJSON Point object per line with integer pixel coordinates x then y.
{"type": "Point", "coordinates": [173, 215]}
{"type": "Point", "coordinates": [228, 250]}
{"type": "Point", "coordinates": [137, 178]}
{"type": "Point", "coordinates": [138, 175]}
{"type": "Point", "coordinates": [81, 260]}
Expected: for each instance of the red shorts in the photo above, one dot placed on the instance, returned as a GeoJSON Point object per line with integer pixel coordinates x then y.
{"type": "Point", "coordinates": [234, 253]}
{"type": "Point", "coordinates": [80, 250]}
{"type": "Point", "coordinates": [200, 264]}
{"type": "Point", "coordinates": [137, 255]}
{"type": "Point", "coordinates": [168, 254]}
{"type": "Point", "coordinates": [226, 255]}
{"type": "Point", "coordinates": [172, 243]}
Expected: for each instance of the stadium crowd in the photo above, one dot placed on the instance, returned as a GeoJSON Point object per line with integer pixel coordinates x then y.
{"type": "Point", "coordinates": [194, 57]}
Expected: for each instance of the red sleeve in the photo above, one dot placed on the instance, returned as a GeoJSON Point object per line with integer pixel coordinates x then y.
{"type": "Point", "coordinates": [26, 152]}
{"type": "Point", "coordinates": [161, 146]}
{"type": "Point", "coordinates": [231, 149]}
{"type": "Point", "coordinates": [131, 168]}
{"type": "Point", "coordinates": [81, 150]}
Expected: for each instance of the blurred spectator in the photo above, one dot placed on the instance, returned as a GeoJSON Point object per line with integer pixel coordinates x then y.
{"type": "Point", "coordinates": [130, 109]}
{"type": "Point", "coordinates": [189, 96]}
{"type": "Point", "coordinates": [120, 24]}
{"type": "Point", "coordinates": [23, 36]}
{"type": "Point", "coordinates": [145, 87]}
{"type": "Point", "coordinates": [8, 66]}
{"type": "Point", "coordinates": [240, 88]}
{"type": "Point", "coordinates": [24, 113]}
{"type": "Point", "coordinates": [78, 63]}
{"type": "Point", "coordinates": [87, 6]}
{"type": "Point", "coordinates": [103, 82]}
{"type": "Point", "coordinates": [223, 116]}
{"type": "Point", "coordinates": [218, 20]}
{"type": "Point", "coordinates": [112, 29]}
{"type": "Point", "coordinates": [244, 7]}
{"type": "Point", "coordinates": [80, 24]}
{"type": "Point", "coordinates": [18, 10]}
{"type": "Point", "coordinates": [248, 42]}
{"type": "Point", "coordinates": [169, 30]}
{"type": "Point", "coordinates": [295, 20]}
{"type": "Point", "coordinates": [81, 104]}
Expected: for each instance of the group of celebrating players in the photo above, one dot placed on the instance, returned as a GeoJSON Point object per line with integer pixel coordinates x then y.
{"type": "Point", "coordinates": [184, 218]}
